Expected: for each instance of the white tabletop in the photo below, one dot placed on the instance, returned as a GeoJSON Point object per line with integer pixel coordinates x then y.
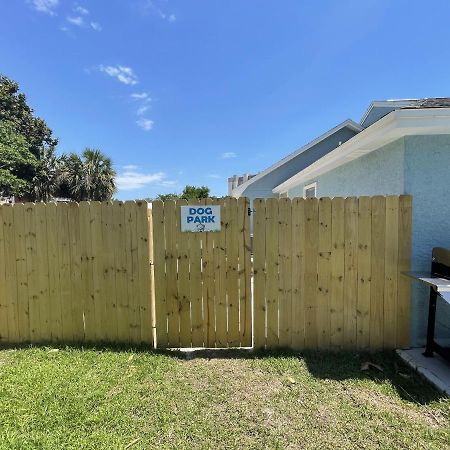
{"type": "Point", "coordinates": [440, 284]}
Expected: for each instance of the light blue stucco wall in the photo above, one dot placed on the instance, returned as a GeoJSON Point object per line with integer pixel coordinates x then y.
{"type": "Point", "coordinates": [427, 179]}
{"type": "Point", "coordinates": [262, 188]}
{"type": "Point", "coordinates": [378, 173]}
{"type": "Point", "coordinates": [415, 165]}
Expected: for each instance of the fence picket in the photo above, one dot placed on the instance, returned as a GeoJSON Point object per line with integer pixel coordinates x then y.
{"type": "Point", "coordinates": [259, 273]}
{"type": "Point", "coordinates": [298, 272]}
{"type": "Point", "coordinates": [272, 270]}
{"type": "Point", "coordinates": [364, 270]}
{"type": "Point", "coordinates": [377, 272]}
{"type": "Point", "coordinates": [285, 273]}
{"type": "Point", "coordinates": [4, 292]}
{"type": "Point", "coordinates": [337, 274]}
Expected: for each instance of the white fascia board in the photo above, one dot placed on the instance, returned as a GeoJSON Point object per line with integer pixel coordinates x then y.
{"type": "Point", "coordinates": [403, 103]}
{"type": "Point", "coordinates": [396, 124]}
{"type": "Point", "coordinates": [238, 191]}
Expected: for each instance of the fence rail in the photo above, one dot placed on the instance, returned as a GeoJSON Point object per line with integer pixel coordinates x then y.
{"type": "Point", "coordinates": [327, 272]}
{"type": "Point", "coordinates": [75, 273]}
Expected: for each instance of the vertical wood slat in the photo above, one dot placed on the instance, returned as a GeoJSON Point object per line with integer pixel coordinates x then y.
{"type": "Point", "coordinates": [337, 274]}
{"type": "Point", "coordinates": [21, 272]}
{"type": "Point", "coordinates": [298, 272]}
{"type": "Point", "coordinates": [259, 273]}
{"type": "Point", "coordinates": [390, 273]}
{"type": "Point", "coordinates": [184, 294]}
{"type": "Point", "coordinates": [144, 273]}
{"type": "Point", "coordinates": [159, 244]}
{"type": "Point", "coordinates": [55, 303]}
{"type": "Point", "coordinates": [31, 272]}
{"type": "Point", "coordinates": [272, 271]}
{"type": "Point", "coordinates": [99, 298]}
{"type": "Point", "coordinates": [232, 273]}
{"type": "Point", "coordinates": [208, 287]}
{"type": "Point", "coordinates": [108, 290]}
{"type": "Point", "coordinates": [377, 272]}
{"type": "Point", "coordinates": [364, 272]}
{"type": "Point", "coordinates": [151, 256]}
{"type": "Point", "coordinates": [86, 260]}
{"type": "Point", "coordinates": [120, 275]}
{"type": "Point", "coordinates": [10, 274]}
{"type": "Point", "coordinates": [171, 273]}
{"type": "Point", "coordinates": [132, 264]}
{"type": "Point", "coordinates": [75, 272]}
{"type": "Point", "coordinates": [220, 279]}
{"type": "Point", "coordinates": [310, 274]}
{"type": "Point", "coordinates": [404, 263]}
{"type": "Point", "coordinates": [245, 306]}
{"type": "Point", "coordinates": [351, 271]}
{"type": "Point", "coordinates": [4, 292]}
{"type": "Point", "coordinates": [43, 273]}
{"type": "Point", "coordinates": [324, 273]}
{"type": "Point", "coordinates": [195, 255]}
{"type": "Point", "coordinates": [285, 272]}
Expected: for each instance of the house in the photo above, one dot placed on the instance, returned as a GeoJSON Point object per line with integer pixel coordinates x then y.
{"type": "Point", "coordinates": [236, 180]}
{"type": "Point", "coordinates": [399, 147]}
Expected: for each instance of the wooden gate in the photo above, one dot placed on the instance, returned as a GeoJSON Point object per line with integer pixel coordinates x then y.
{"type": "Point", "coordinates": [202, 280]}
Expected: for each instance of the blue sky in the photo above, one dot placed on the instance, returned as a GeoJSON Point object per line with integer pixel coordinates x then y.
{"type": "Point", "coordinates": [192, 91]}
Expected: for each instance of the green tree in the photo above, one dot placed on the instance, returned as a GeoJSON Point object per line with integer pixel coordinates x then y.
{"type": "Point", "coordinates": [194, 192]}
{"type": "Point", "coordinates": [17, 163]}
{"type": "Point", "coordinates": [189, 193]}
{"type": "Point", "coordinates": [89, 177]}
{"type": "Point", "coordinates": [14, 109]}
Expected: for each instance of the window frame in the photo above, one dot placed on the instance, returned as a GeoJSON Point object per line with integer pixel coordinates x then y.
{"type": "Point", "coordinates": [310, 186]}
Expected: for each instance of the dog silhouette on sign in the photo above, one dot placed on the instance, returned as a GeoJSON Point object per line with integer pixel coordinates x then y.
{"type": "Point", "coordinates": [200, 227]}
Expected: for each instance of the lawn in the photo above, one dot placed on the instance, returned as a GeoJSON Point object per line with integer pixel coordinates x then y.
{"type": "Point", "coordinates": [91, 399]}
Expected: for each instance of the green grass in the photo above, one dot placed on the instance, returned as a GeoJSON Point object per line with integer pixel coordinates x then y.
{"type": "Point", "coordinates": [90, 399]}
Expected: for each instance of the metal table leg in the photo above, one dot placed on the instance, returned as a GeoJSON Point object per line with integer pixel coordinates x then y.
{"type": "Point", "coordinates": [431, 323]}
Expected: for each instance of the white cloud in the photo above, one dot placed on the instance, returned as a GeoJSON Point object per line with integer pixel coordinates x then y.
{"type": "Point", "coordinates": [153, 5]}
{"type": "Point", "coordinates": [214, 175]}
{"type": "Point", "coordinates": [145, 124]}
{"type": "Point", "coordinates": [142, 96]}
{"type": "Point", "coordinates": [228, 155]}
{"type": "Point", "coordinates": [80, 10]}
{"type": "Point", "coordinates": [45, 6]}
{"type": "Point", "coordinates": [142, 110]}
{"type": "Point", "coordinates": [132, 178]}
{"type": "Point", "coordinates": [96, 26]}
{"type": "Point", "coordinates": [78, 20]}
{"type": "Point", "coordinates": [130, 167]}
{"type": "Point", "coordinates": [123, 74]}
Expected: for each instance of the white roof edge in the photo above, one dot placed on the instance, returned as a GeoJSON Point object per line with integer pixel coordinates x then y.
{"type": "Point", "coordinates": [349, 123]}
{"type": "Point", "coordinates": [396, 124]}
{"type": "Point", "coordinates": [400, 103]}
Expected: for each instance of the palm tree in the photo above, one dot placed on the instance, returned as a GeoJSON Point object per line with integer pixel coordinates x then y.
{"type": "Point", "coordinates": [90, 177]}
{"type": "Point", "coordinates": [48, 175]}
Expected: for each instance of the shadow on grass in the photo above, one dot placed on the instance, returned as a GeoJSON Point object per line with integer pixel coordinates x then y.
{"type": "Point", "coordinates": [333, 365]}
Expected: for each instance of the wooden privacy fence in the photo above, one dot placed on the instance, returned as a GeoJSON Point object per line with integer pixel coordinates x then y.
{"type": "Point", "coordinates": [202, 280]}
{"type": "Point", "coordinates": [327, 272]}
{"type": "Point", "coordinates": [75, 272]}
